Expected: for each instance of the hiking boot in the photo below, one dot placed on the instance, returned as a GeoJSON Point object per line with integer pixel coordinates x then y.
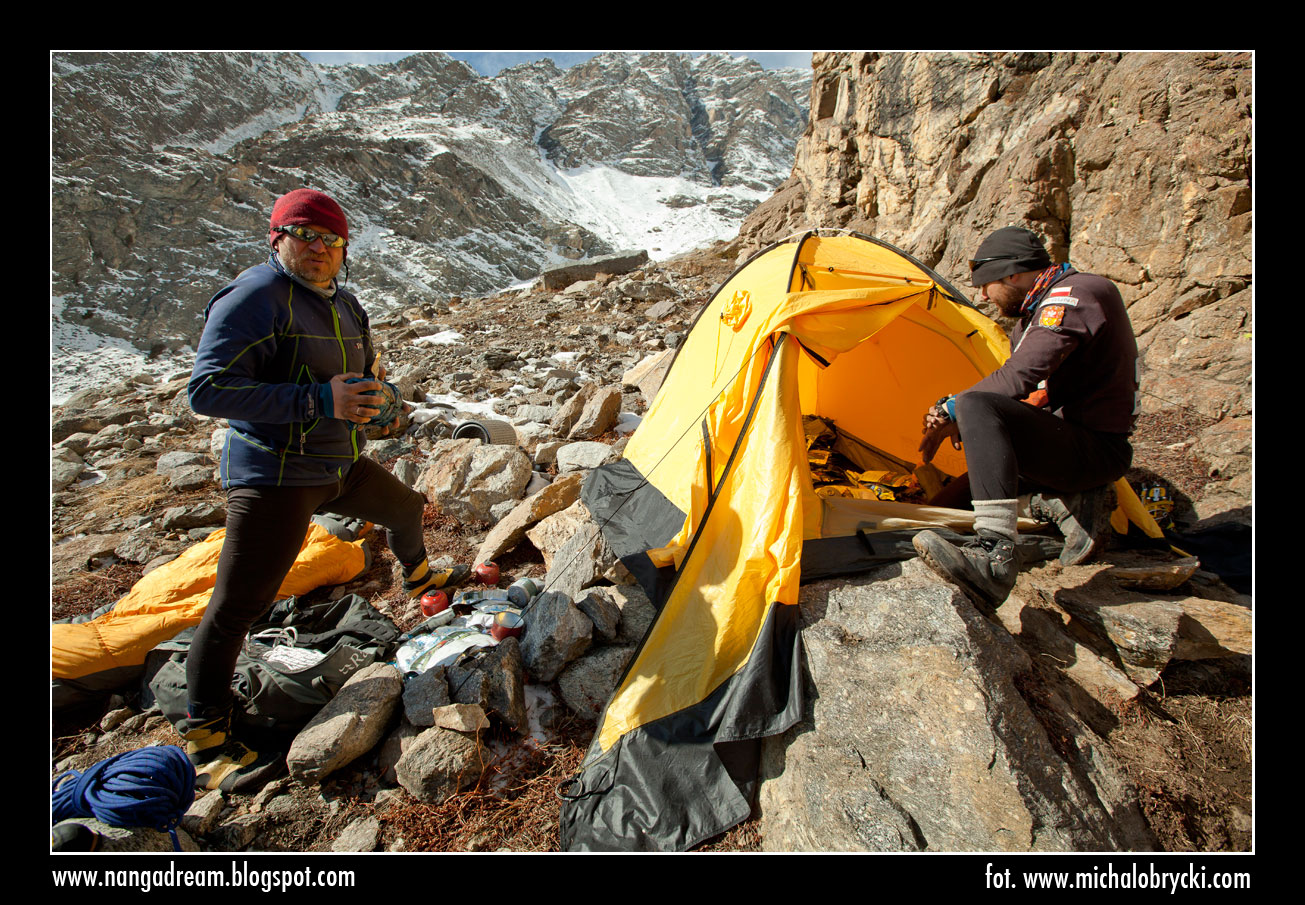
{"type": "Point", "coordinates": [1083, 519]}
{"type": "Point", "coordinates": [222, 762]}
{"type": "Point", "coordinates": [985, 568]}
{"type": "Point", "coordinates": [422, 579]}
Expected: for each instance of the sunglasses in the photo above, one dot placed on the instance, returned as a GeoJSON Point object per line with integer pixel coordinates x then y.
{"type": "Point", "coordinates": [307, 236]}
{"type": "Point", "coordinates": [976, 263]}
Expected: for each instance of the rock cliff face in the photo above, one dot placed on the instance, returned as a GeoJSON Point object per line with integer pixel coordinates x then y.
{"type": "Point", "coordinates": [1134, 166]}
{"type": "Point", "coordinates": [165, 167]}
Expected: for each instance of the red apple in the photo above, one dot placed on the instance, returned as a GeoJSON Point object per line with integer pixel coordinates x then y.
{"type": "Point", "coordinates": [433, 602]}
{"type": "Point", "coordinates": [487, 573]}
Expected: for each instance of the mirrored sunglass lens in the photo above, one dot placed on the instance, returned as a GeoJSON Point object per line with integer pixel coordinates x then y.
{"type": "Point", "coordinates": [307, 235]}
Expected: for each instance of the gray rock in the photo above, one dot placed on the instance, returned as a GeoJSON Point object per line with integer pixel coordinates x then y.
{"type": "Point", "coordinates": [65, 467]}
{"type": "Point", "coordinates": [507, 533]}
{"type": "Point", "coordinates": [495, 680]}
{"type": "Point", "coordinates": [239, 831]}
{"type": "Point", "coordinates": [201, 515]}
{"type": "Point", "coordinates": [394, 747]}
{"type": "Point", "coordinates": [571, 409]}
{"type": "Point", "coordinates": [528, 413]}
{"type": "Point", "coordinates": [1149, 634]}
{"type": "Point", "coordinates": [467, 479]}
{"type": "Point", "coordinates": [157, 561]}
{"type": "Point", "coordinates": [661, 310]}
{"type": "Point", "coordinates": [584, 455]}
{"type": "Point", "coordinates": [621, 262]}
{"type": "Point", "coordinates": [180, 458]}
{"type": "Point", "coordinates": [407, 471]}
{"type": "Point", "coordinates": [546, 452]}
{"type": "Point", "coordinates": [602, 611]}
{"type": "Point", "coordinates": [598, 416]}
{"type": "Point", "coordinates": [462, 717]}
{"type": "Point", "coordinates": [388, 448]}
{"type": "Point", "coordinates": [75, 442]}
{"type": "Point", "coordinates": [203, 814]}
{"type": "Point", "coordinates": [556, 633]}
{"type": "Point", "coordinates": [115, 718]}
{"type": "Point", "coordinates": [111, 436]}
{"type": "Point", "coordinates": [349, 726]}
{"type": "Point", "coordinates": [360, 836]}
{"type": "Point", "coordinates": [582, 560]}
{"type": "Point", "coordinates": [588, 682]}
{"type": "Point", "coordinates": [63, 427]}
{"type": "Point", "coordinates": [424, 692]}
{"type": "Point", "coordinates": [82, 553]}
{"type": "Point", "coordinates": [216, 441]}
{"type": "Point", "coordinates": [637, 611]}
{"type": "Point", "coordinates": [438, 763]}
{"type": "Point", "coordinates": [141, 545]}
{"type": "Point", "coordinates": [190, 477]}
{"type": "Point", "coordinates": [918, 737]}
{"type": "Point", "coordinates": [556, 385]}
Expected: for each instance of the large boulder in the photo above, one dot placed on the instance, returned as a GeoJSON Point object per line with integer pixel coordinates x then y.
{"type": "Point", "coordinates": [467, 479]}
{"type": "Point", "coordinates": [648, 374]}
{"type": "Point", "coordinates": [921, 739]}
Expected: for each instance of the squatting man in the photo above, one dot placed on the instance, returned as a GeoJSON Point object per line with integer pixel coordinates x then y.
{"type": "Point", "coordinates": [1055, 418]}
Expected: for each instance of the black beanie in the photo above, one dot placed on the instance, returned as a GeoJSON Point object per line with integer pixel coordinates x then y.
{"type": "Point", "coordinates": [1009, 250]}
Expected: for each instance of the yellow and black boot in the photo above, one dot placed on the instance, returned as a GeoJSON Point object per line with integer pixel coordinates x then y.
{"type": "Point", "coordinates": [422, 578]}
{"type": "Point", "coordinates": [222, 762]}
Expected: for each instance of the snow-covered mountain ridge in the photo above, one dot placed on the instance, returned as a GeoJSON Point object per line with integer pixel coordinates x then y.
{"type": "Point", "coordinates": [165, 167]}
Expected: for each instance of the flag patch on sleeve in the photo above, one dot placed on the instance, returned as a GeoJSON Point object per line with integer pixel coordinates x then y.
{"type": "Point", "coordinates": [1061, 296]}
{"type": "Point", "coordinates": [1051, 315]}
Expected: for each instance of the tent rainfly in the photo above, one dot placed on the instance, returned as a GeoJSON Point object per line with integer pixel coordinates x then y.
{"type": "Point", "coordinates": [713, 509]}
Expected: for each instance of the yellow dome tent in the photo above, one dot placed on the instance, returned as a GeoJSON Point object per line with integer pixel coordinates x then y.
{"type": "Point", "coordinates": [713, 508]}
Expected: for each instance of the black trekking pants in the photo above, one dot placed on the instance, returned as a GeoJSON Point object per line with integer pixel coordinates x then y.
{"type": "Point", "coordinates": [1008, 442]}
{"type": "Point", "coordinates": [265, 531]}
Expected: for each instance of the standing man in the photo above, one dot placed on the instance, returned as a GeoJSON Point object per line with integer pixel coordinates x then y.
{"type": "Point", "coordinates": [1057, 415]}
{"type": "Point", "coordinates": [280, 343]}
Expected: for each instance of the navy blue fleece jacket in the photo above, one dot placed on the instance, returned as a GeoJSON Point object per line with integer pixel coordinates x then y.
{"type": "Point", "coordinates": [270, 344]}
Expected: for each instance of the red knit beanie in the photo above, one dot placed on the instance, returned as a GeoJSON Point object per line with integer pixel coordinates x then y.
{"type": "Point", "coordinates": [305, 207]}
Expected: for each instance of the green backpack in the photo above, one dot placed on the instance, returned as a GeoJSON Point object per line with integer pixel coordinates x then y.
{"type": "Point", "coordinates": [293, 663]}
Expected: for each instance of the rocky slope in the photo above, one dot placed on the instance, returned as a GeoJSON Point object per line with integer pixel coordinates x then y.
{"type": "Point", "coordinates": [166, 165]}
{"type": "Point", "coordinates": [1109, 709]}
{"type": "Point", "coordinates": [1135, 166]}
{"type": "Point", "coordinates": [1053, 726]}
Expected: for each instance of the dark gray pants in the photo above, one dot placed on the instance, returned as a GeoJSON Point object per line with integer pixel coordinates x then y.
{"type": "Point", "coordinates": [265, 530]}
{"type": "Point", "coordinates": [1012, 446]}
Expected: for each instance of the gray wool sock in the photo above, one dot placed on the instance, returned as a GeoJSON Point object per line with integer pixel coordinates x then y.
{"type": "Point", "coordinates": [997, 517]}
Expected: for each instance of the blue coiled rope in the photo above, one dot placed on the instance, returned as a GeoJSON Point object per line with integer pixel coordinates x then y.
{"type": "Point", "coordinates": [151, 787]}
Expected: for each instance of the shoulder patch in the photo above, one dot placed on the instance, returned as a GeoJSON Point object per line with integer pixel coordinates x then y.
{"type": "Point", "coordinates": [1051, 315]}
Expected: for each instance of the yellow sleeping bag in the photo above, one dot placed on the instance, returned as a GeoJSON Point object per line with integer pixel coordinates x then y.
{"type": "Point", "coordinates": [107, 652]}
